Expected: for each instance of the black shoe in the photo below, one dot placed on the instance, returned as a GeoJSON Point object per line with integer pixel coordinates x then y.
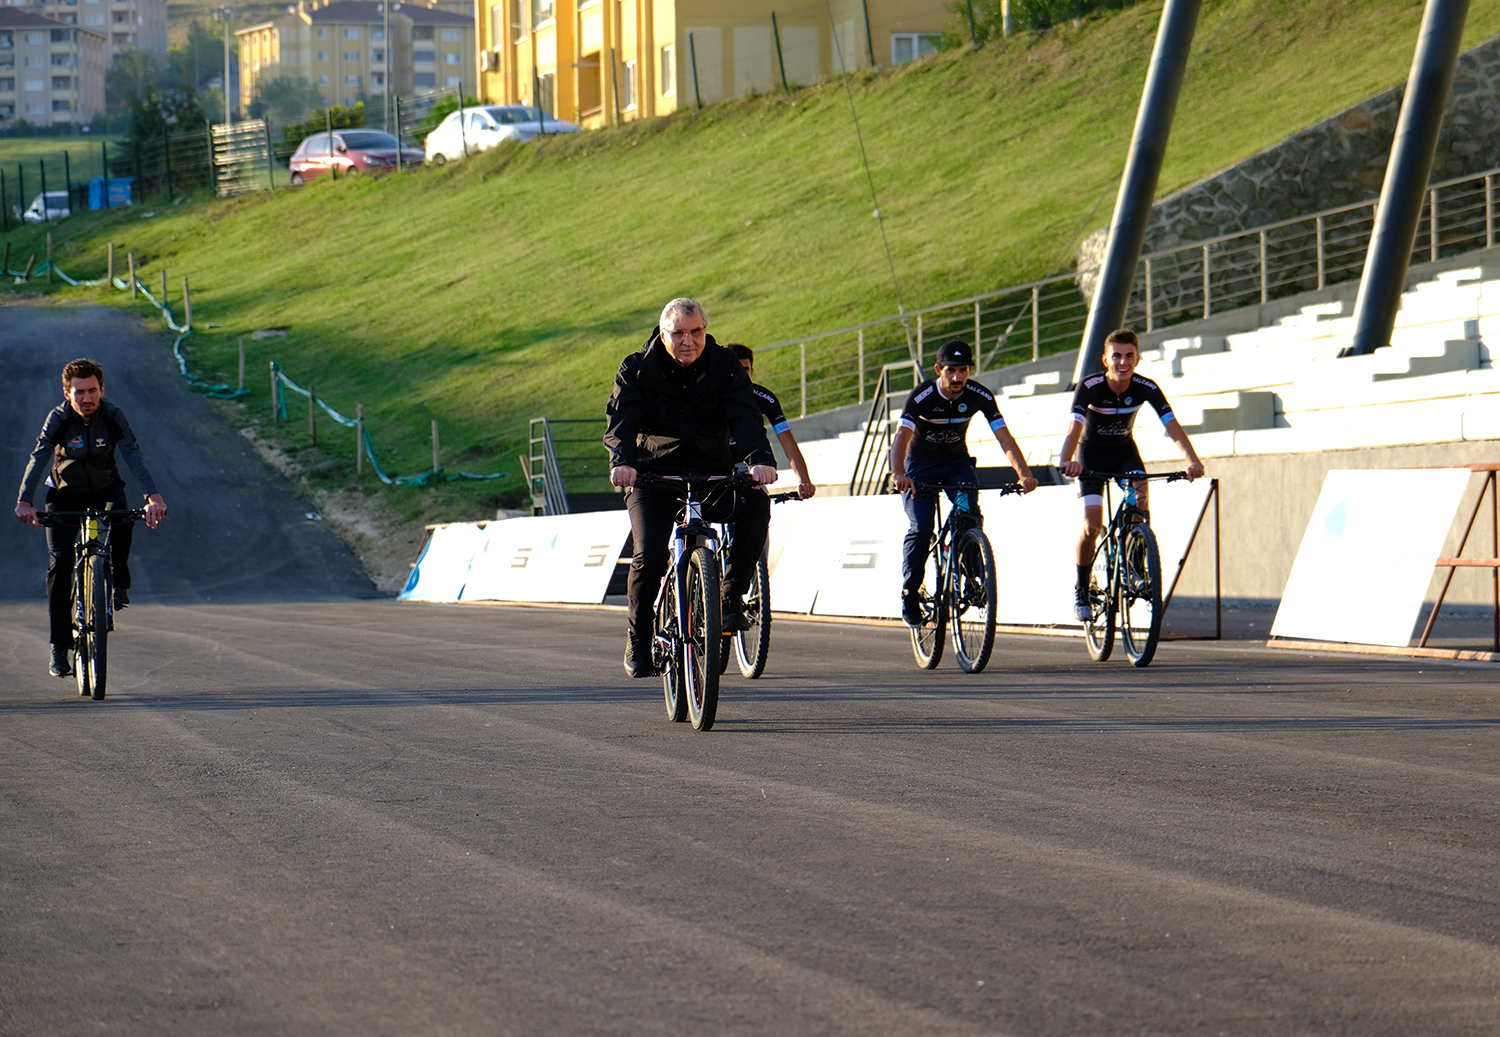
{"type": "Point", "coordinates": [911, 609]}
{"type": "Point", "coordinates": [122, 599]}
{"type": "Point", "coordinates": [61, 665]}
{"type": "Point", "coordinates": [638, 658]}
{"type": "Point", "coordinates": [732, 617]}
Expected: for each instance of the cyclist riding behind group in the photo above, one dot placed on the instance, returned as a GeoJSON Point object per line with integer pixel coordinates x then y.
{"type": "Point", "coordinates": [682, 404]}
{"type": "Point", "coordinates": [771, 410]}
{"type": "Point", "coordinates": [76, 449]}
{"type": "Point", "coordinates": [1104, 410]}
{"type": "Point", "coordinates": [932, 446]}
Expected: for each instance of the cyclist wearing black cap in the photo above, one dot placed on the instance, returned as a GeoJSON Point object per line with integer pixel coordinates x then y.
{"type": "Point", "coordinates": [1104, 409]}
{"type": "Point", "coordinates": [932, 446]}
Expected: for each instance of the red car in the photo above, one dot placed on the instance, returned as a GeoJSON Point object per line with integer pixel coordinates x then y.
{"type": "Point", "coordinates": [352, 152]}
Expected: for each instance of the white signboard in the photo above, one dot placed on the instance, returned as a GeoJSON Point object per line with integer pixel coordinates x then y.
{"type": "Point", "coordinates": [556, 558]}
{"type": "Point", "coordinates": [440, 573]}
{"type": "Point", "coordinates": [1367, 557]}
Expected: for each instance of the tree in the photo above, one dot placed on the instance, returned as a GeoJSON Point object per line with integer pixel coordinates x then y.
{"type": "Point", "coordinates": [163, 112]}
{"type": "Point", "coordinates": [131, 79]}
{"type": "Point", "coordinates": [199, 59]}
{"type": "Point", "coordinates": [285, 98]}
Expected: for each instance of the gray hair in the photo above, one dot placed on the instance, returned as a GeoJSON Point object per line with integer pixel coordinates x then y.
{"type": "Point", "coordinates": [683, 307]}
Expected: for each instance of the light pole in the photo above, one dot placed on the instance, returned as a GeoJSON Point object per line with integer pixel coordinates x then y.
{"type": "Point", "coordinates": [225, 14]}
{"type": "Point", "coordinates": [385, 116]}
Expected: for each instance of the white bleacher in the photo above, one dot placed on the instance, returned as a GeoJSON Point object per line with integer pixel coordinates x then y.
{"type": "Point", "coordinates": [1281, 388]}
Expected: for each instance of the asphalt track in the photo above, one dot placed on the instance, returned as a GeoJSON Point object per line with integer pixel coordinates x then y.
{"type": "Point", "coordinates": [315, 813]}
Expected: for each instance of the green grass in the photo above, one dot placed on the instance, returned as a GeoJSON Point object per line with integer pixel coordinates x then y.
{"type": "Point", "coordinates": [83, 160]}
{"type": "Point", "coordinates": [511, 285]}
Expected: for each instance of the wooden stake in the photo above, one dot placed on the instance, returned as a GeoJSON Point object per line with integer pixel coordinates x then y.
{"type": "Point", "coordinates": [109, 281]}
{"type": "Point", "coordinates": [359, 439]}
{"type": "Point", "coordinates": [275, 410]}
{"type": "Point", "coordinates": [26, 274]}
{"type": "Point", "coordinates": [187, 305]}
{"type": "Point", "coordinates": [131, 257]}
{"type": "Point", "coordinates": [242, 362]}
{"type": "Point", "coordinates": [49, 241]}
{"type": "Point", "coordinates": [434, 451]}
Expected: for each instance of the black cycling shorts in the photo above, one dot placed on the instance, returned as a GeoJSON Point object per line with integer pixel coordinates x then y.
{"type": "Point", "coordinates": [1105, 456]}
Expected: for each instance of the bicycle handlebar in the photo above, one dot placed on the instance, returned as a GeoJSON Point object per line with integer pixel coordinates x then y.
{"type": "Point", "coordinates": [50, 518]}
{"type": "Point", "coordinates": [1124, 477]}
{"type": "Point", "coordinates": [972, 487]}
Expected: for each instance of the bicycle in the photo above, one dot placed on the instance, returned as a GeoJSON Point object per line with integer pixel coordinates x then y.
{"type": "Point", "coordinates": [1125, 576]}
{"type": "Point", "coordinates": [687, 639]}
{"type": "Point", "coordinates": [958, 585]}
{"type": "Point", "coordinates": [752, 646]}
{"type": "Point", "coordinates": [93, 604]}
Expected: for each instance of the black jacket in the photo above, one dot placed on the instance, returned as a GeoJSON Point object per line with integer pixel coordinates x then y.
{"type": "Point", "coordinates": [79, 457]}
{"type": "Point", "coordinates": [672, 420]}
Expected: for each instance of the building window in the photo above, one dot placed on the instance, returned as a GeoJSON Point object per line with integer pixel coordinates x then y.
{"type": "Point", "coordinates": [909, 46]}
{"type": "Point", "coordinates": [629, 84]}
{"type": "Point", "coordinates": [323, 79]}
{"type": "Point", "coordinates": [452, 36]}
{"type": "Point", "coordinates": [33, 85]}
{"type": "Point", "coordinates": [322, 55]}
{"type": "Point", "coordinates": [33, 39]}
{"type": "Point", "coordinates": [453, 81]}
{"type": "Point", "coordinates": [427, 79]}
{"type": "Point", "coordinates": [542, 11]}
{"type": "Point", "coordinates": [517, 20]}
{"type": "Point", "coordinates": [62, 82]}
{"type": "Point", "coordinates": [351, 57]}
{"type": "Point", "coordinates": [549, 94]}
{"type": "Point", "coordinates": [377, 57]}
{"type": "Point", "coordinates": [351, 80]}
{"type": "Point", "coordinates": [421, 32]}
{"type": "Point", "coordinates": [351, 34]}
{"type": "Point", "coordinates": [7, 86]}
{"type": "Point", "coordinates": [322, 32]}
{"type": "Point", "coordinates": [62, 105]}
{"type": "Point", "coordinates": [450, 58]}
{"type": "Point", "coordinates": [424, 57]}
{"type": "Point", "coordinates": [377, 79]}
{"type": "Point", "coordinates": [31, 61]}
{"type": "Point", "coordinates": [61, 35]}
{"type": "Point", "coordinates": [668, 70]}
{"type": "Point", "coordinates": [35, 108]}
{"type": "Point", "coordinates": [93, 19]}
{"type": "Point", "coordinates": [377, 34]}
{"type": "Point", "coordinates": [62, 61]}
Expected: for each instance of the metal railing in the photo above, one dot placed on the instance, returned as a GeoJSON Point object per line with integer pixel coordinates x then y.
{"type": "Point", "coordinates": [1025, 322]}
{"type": "Point", "coordinates": [871, 472]}
{"type": "Point", "coordinates": [544, 466]}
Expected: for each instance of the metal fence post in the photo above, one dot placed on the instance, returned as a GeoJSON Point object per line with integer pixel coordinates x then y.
{"type": "Point", "coordinates": [49, 245]}
{"type": "Point", "coordinates": [1264, 284]}
{"type": "Point", "coordinates": [42, 169]}
{"type": "Point", "coordinates": [919, 345]}
{"type": "Point", "coordinates": [776, 33]}
{"type": "Point", "coordinates": [1432, 208]}
{"type": "Point", "coordinates": [1320, 253]}
{"type": "Point", "coordinates": [861, 365]}
{"type": "Point", "coordinates": [1489, 210]}
{"type": "Point", "coordinates": [802, 380]}
{"type": "Point", "coordinates": [271, 157]}
{"type": "Point", "coordinates": [1036, 322]}
{"type": "Point", "coordinates": [1150, 323]}
{"type": "Point", "coordinates": [1207, 305]}
{"type": "Point", "coordinates": [104, 161]}
{"type": "Point", "coordinates": [978, 336]}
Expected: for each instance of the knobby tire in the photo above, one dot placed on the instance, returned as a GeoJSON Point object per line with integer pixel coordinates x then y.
{"type": "Point", "coordinates": [1099, 631]}
{"type": "Point", "coordinates": [752, 646]}
{"type": "Point", "coordinates": [1140, 595]}
{"type": "Point", "coordinates": [971, 600]}
{"type": "Point", "coordinates": [703, 639]}
{"type": "Point", "coordinates": [666, 652]}
{"type": "Point", "coordinates": [927, 639]}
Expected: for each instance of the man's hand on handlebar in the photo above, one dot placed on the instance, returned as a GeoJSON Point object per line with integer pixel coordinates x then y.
{"type": "Point", "coordinates": [1072, 469]}
{"type": "Point", "coordinates": [622, 475]}
{"type": "Point", "coordinates": [763, 474]}
{"type": "Point", "coordinates": [901, 481]}
{"type": "Point", "coordinates": [26, 513]}
{"type": "Point", "coordinates": [1195, 471]}
{"type": "Point", "coordinates": [1028, 484]}
{"type": "Point", "coordinates": [156, 510]}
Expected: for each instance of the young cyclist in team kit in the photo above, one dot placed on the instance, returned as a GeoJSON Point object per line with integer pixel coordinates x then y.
{"type": "Point", "coordinates": [932, 446]}
{"type": "Point", "coordinates": [1104, 410]}
{"type": "Point", "coordinates": [770, 409]}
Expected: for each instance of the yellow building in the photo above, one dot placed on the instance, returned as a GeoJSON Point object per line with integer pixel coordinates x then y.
{"type": "Point", "coordinates": [341, 48]}
{"type": "Point", "coordinates": [596, 61]}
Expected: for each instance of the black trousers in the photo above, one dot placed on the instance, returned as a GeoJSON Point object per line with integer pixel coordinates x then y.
{"type": "Point", "coordinates": [653, 512]}
{"type": "Point", "coordinates": [61, 547]}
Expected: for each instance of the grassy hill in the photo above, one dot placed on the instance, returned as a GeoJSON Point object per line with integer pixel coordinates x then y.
{"type": "Point", "coordinates": [510, 285]}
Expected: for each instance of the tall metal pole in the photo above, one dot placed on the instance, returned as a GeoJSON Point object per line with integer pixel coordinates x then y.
{"type": "Point", "coordinates": [385, 110]}
{"type": "Point", "coordinates": [1401, 196]}
{"type": "Point", "coordinates": [1127, 230]}
{"type": "Point", "coordinates": [225, 14]}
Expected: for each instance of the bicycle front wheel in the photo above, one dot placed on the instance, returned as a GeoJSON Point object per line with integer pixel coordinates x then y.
{"type": "Point", "coordinates": [92, 643]}
{"type": "Point", "coordinates": [971, 600]}
{"type": "Point", "coordinates": [927, 639]}
{"type": "Point", "coordinates": [703, 638]}
{"type": "Point", "coordinates": [1099, 631]}
{"type": "Point", "coordinates": [753, 645]}
{"type": "Point", "coordinates": [666, 652]}
{"type": "Point", "coordinates": [1140, 594]}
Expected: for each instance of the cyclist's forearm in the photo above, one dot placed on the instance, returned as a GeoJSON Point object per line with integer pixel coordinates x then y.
{"type": "Point", "coordinates": [1180, 437]}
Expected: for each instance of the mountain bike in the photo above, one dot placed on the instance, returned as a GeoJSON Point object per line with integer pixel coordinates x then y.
{"type": "Point", "coordinates": [1125, 576]}
{"type": "Point", "coordinates": [958, 585]}
{"type": "Point", "coordinates": [93, 605]}
{"type": "Point", "coordinates": [688, 634]}
{"type": "Point", "coordinates": [752, 646]}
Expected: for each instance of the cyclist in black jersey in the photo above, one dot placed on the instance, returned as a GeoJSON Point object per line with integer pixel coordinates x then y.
{"type": "Point", "coordinates": [1104, 410]}
{"type": "Point", "coordinates": [932, 446]}
{"type": "Point", "coordinates": [76, 450]}
{"type": "Point", "coordinates": [770, 409]}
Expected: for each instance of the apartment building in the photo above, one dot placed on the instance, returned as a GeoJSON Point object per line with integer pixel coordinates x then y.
{"type": "Point", "coordinates": [125, 24]}
{"type": "Point", "coordinates": [341, 47]}
{"type": "Point", "coordinates": [593, 61]}
{"type": "Point", "coordinates": [50, 71]}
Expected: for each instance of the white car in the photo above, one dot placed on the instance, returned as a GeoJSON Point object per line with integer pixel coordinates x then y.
{"type": "Point", "coordinates": [485, 126]}
{"type": "Point", "coordinates": [57, 207]}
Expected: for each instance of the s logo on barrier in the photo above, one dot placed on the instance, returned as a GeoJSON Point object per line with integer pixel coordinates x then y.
{"type": "Point", "coordinates": [597, 556]}
{"type": "Point", "coordinates": [854, 559]}
{"type": "Point", "coordinates": [523, 555]}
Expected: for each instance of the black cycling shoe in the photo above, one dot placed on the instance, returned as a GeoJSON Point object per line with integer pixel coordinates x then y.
{"type": "Point", "coordinates": [911, 610]}
{"type": "Point", "coordinates": [638, 658]}
{"type": "Point", "coordinates": [61, 665]}
{"type": "Point", "coordinates": [122, 599]}
{"type": "Point", "coordinates": [732, 618]}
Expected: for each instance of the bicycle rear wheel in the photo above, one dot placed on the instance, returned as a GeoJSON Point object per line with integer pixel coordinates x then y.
{"type": "Point", "coordinates": [666, 652]}
{"type": "Point", "coordinates": [1099, 631]}
{"type": "Point", "coordinates": [704, 639]}
{"type": "Point", "coordinates": [1140, 594]}
{"type": "Point", "coordinates": [753, 645]}
{"type": "Point", "coordinates": [971, 600]}
{"type": "Point", "coordinates": [927, 639]}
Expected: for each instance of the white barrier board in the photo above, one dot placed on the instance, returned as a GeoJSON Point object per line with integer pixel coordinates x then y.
{"type": "Point", "coordinates": [443, 568]}
{"type": "Point", "coordinates": [1367, 556]}
{"type": "Point", "coordinates": [555, 558]}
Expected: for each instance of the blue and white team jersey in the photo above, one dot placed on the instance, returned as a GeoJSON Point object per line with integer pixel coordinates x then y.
{"type": "Point", "coordinates": [940, 426]}
{"type": "Point", "coordinates": [1109, 415]}
{"type": "Point", "coordinates": [770, 409]}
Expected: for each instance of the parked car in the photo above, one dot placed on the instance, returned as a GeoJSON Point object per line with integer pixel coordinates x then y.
{"type": "Point", "coordinates": [58, 206]}
{"type": "Point", "coordinates": [351, 151]}
{"type": "Point", "coordinates": [485, 126]}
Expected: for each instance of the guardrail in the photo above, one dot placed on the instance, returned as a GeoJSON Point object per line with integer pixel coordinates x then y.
{"type": "Point", "coordinates": [1188, 282]}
